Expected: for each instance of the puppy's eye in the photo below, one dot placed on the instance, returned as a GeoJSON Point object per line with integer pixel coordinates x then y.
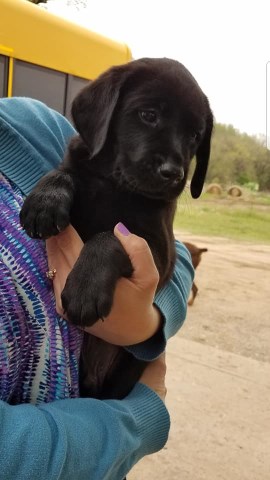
{"type": "Point", "coordinates": [149, 116]}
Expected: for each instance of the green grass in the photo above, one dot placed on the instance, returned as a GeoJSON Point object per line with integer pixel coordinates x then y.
{"type": "Point", "coordinates": [235, 219]}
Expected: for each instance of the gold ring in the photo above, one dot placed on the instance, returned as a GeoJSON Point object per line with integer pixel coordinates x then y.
{"type": "Point", "coordinates": [51, 274]}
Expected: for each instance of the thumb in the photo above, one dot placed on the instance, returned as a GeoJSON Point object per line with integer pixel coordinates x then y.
{"type": "Point", "coordinates": [145, 271]}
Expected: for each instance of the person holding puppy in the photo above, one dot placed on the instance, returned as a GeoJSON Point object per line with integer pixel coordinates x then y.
{"type": "Point", "coordinates": [46, 430]}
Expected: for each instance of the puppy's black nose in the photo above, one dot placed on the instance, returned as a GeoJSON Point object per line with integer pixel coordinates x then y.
{"type": "Point", "coordinates": [171, 172]}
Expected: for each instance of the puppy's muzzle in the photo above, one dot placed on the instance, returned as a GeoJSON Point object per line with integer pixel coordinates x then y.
{"type": "Point", "coordinates": [170, 173]}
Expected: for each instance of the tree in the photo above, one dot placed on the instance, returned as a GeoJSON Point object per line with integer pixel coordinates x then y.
{"type": "Point", "coordinates": [238, 158]}
{"type": "Point", "coordinates": [262, 167]}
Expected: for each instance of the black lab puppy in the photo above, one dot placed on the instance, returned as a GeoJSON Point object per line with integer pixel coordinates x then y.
{"type": "Point", "coordinates": [139, 125]}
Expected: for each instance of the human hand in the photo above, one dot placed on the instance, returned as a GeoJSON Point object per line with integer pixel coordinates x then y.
{"type": "Point", "coordinates": [133, 317]}
{"type": "Point", "coordinates": [154, 376]}
{"type": "Point", "coordinates": [62, 251]}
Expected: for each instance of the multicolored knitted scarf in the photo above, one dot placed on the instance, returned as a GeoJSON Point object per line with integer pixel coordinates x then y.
{"type": "Point", "coordinates": [39, 350]}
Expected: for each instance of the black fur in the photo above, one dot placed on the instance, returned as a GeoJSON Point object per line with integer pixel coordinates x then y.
{"type": "Point", "coordinates": [139, 126]}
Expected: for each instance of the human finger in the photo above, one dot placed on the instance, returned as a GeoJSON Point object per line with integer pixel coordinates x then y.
{"type": "Point", "coordinates": [64, 247]}
{"type": "Point", "coordinates": [62, 252]}
{"type": "Point", "coordinates": [145, 271]}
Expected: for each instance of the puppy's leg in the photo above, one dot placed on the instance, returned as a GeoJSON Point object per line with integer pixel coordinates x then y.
{"type": "Point", "coordinates": [89, 290]}
{"type": "Point", "coordinates": [194, 290]}
{"type": "Point", "coordinates": [46, 211]}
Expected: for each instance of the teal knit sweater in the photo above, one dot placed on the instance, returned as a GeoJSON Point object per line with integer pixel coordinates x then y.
{"type": "Point", "coordinates": [64, 437]}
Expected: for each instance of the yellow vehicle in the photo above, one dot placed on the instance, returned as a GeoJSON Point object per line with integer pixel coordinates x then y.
{"type": "Point", "coordinates": [48, 58]}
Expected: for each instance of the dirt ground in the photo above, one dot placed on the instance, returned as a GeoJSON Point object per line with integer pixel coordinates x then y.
{"type": "Point", "coordinates": [218, 376]}
{"type": "Point", "coordinates": [232, 309]}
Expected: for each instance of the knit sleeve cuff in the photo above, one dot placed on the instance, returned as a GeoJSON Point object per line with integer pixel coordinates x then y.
{"type": "Point", "coordinates": [151, 417]}
{"type": "Point", "coordinates": [171, 300]}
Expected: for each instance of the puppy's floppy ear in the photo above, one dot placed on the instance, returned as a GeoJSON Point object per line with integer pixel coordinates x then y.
{"type": "Point", "coordinates": [202, 158]}
{"type": "Point", "coordinates": [93, 107]}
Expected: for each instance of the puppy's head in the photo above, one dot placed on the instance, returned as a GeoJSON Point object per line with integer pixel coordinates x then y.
{"type": "Point", "coordinates": [155, 118]}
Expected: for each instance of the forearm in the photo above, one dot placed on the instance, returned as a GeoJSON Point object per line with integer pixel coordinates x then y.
{"type": "Point", "coordinates": [76, 438]}
{"type": "Point", "coordinates": [171, 301]}
{"type": "Point", "coordinates": [114, 330]}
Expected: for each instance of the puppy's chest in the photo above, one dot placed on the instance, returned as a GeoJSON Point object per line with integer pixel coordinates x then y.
{"type": "Point", "coordinates": [97, 210]}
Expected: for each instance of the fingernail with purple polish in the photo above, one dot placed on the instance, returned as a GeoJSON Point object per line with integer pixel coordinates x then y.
{"type": "Point", "coordinates": [122, 229]}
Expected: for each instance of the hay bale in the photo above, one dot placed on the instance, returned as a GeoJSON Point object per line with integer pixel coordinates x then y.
{"type": "Point", "coordinates": [235, 191]}
{"type": "Point", "coordinates": [214, 188]}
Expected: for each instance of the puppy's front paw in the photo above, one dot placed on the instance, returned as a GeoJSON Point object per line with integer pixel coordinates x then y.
{"type": "Point", "coordinates": [85, 300]}
{"type": "Point", "coordinates": [45, 214]}
{"type": "Point", "coordinates": [89, 290]}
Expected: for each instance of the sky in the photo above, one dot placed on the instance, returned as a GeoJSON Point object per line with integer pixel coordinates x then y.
{"type": "Point", "coordinates": [224, 44]}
